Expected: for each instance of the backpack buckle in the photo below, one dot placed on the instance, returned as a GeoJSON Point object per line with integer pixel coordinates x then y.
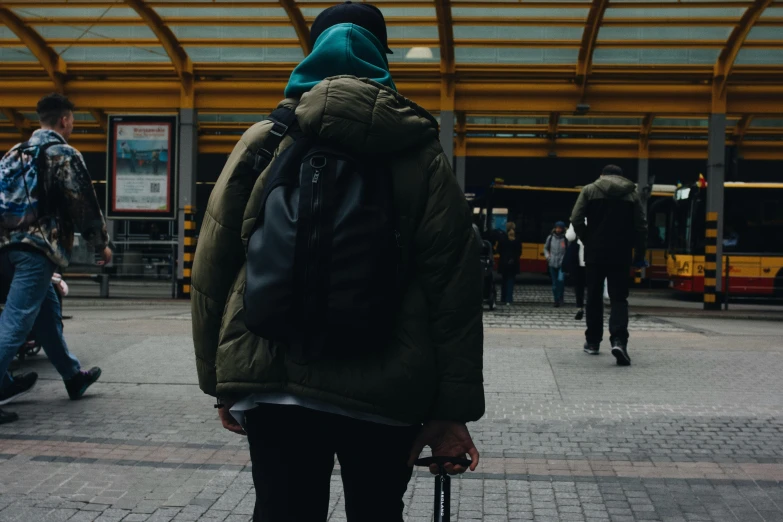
{"type": "Point", "coordinates": [279, 129]}
{"type": "Point", "coordinates": [262, 158]}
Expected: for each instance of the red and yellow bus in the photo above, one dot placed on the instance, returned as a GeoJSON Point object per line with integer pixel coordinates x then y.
{"type": "Point", "coordinates": [752, 239]}
{"type": "Point", "coordinates": [536, 209]}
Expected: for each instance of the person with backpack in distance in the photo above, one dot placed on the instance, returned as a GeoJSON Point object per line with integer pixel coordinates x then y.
{"type": "Point", "coordinates": [555, 251]}
{"type": "Point", "coordinates": [574, 265]}
{"type": "Point", "coordinates": [46, 194]}
{"type": "Point", "coordinates": [611, 221]}
{"type": "Point", "coordinates": [509, 251]}
{"type": "Point", "coordinates": [337, 287]}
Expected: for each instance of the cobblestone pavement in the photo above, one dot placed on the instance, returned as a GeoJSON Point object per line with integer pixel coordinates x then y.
{"type": "Point", "coordinates": [692, 431]}
{"type": "Point", "coordinates": [532, 310]}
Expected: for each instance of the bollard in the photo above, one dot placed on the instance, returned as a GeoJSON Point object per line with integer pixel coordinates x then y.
{"type": "Point", "coordinates": [189, 240]}
{"type": "Point", "coordinates": [710, 257]}
{"type": "Point", "coordinates": [726, 290]}
{"type": "Point", "coordinates": [104, 281]}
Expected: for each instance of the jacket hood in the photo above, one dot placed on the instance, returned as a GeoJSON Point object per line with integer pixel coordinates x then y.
{"type": "Point", "coordinates": [615, 186]}
{"type": "Point", "coordinates": [341, 49]}
{"type": "Point", "coordinates": [364, 117]}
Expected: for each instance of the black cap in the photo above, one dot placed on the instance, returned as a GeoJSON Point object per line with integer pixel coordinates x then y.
{"type": "Point", "coordinates": [364, 15]}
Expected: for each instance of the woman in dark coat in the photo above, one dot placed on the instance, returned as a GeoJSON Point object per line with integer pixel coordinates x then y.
{"type": "Point", "coordinates": [509, 250]}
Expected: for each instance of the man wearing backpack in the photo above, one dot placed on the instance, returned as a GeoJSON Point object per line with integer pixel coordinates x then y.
{"type": "Point", "coordinates": [45, 195]}
{"type": "Point", "coordinates": [555, 250]}
{"type": "Point", "coordinates": [610, 220]}
{"type": "Point", "coordinates": [358, 181]}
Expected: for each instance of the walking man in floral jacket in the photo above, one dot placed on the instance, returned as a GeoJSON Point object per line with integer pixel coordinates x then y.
{"type": "Point", "coordinates": [38, 219]}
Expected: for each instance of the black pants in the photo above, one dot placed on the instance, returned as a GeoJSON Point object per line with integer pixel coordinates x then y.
{"type": "Point", "coordinates": [293, 449]}
{"type": "Point", "coordinates": [507, 288]}
{"type": "Point", "coordinates": [580, 280]}
{"type": "Point", "coordinates": [618, 281]}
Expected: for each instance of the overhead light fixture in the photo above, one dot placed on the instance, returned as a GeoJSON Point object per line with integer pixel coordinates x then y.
{"type": "Point", "coordinates": [419, 53]}
{"type": "Point", "coordinates": [583, 108]}
{"type": "Point", "coordinates": [552, 154]}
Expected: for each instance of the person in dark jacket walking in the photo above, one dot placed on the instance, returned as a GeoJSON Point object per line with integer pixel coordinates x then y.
{"type": "Point", "coordinates": [615, 231]}
{"type": "Point", "coordinates": [555, 251]}
{"type": "Point", "coordinates": [509, 252]}
{"type": "Point", "coordinates": [421, 381]}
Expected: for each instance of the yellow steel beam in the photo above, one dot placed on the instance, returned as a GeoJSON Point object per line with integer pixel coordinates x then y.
{"type": "Point", "coordinates": [179, 58]}
{"type": "Point", "coordinates": [407, 21]}
{"type": "Point", "coordinates": [589, 37]}
{"type": "Point", "coordinates": [447, 64]}
{"type": "Point", "coordinates": [742, 128]}
{"type": "Point", "coordinates": [750, 75]}
{"type": "Point", "coordinates": [403, 42]}
{"type": "Point", "coordinates": [498, 147]}
{"type": "Point", "coordinates": [729, 53]}
{"type": "Point", "coordinates": [554, 120]}
{"type": "Point", "coordinates": [261, 91]}
{"type": "Point", "coordinates": [18, 120]}
{"type": "Point", "coordinates": [101, 118]}
{"type": "Point", "coordinates": [644, 135]}
{"type": "Point", "coordinates": [253, 21]}
{"type": "Point", "coordinates": [209, 42]}
{"type": "Point", "coordinates": [459, 3]}
{"type": "Point", "coordinates": [545, 130]}
{"type": "Point", "coordinates": [460, 146]}
{"type": "Point", "coordinates": [490, 73]}
{"type": "Point", "coordinates": [695, 21]}
{"type": "Point", "coordinates": [52, 63]}
{"type": "Point", "coordinates": [299, 23]}
{"type": "Point", "coordinates": [445, 35]}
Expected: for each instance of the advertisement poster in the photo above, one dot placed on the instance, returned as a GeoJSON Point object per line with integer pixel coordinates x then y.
{"type": "Point", "coordinates": [142, 154]}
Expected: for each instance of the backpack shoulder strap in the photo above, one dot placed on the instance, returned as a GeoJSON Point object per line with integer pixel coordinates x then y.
{"type": "Point", "coordinates": [283, 120]}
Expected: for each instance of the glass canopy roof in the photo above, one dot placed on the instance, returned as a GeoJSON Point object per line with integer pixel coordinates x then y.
{"type": "Point", "coordinates": [631, 32]}
{"type": "Point", "coordinates": [606, 42]}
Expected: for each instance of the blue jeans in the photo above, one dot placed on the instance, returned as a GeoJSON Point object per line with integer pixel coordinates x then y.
{"type": "Point", "coordinates": [32, 305]}
{"type": "Point", "coordinates": [558, 283]}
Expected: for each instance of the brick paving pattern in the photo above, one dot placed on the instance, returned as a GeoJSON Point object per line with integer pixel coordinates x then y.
{"type": "Point", "coordinates": [693, 431]}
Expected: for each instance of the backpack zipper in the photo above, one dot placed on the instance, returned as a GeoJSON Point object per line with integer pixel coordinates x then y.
{"type": "Point", "coordinates": [311, 267]}
{"type": "Point", "coordinates": [316, 210]}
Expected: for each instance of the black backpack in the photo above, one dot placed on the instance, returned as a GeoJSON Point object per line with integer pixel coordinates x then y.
{"type": "Point", "coordinates": [323, 258]}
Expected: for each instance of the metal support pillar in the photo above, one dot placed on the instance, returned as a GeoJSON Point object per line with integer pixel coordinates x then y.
{"type": "Point", "coordinates": [461, 171]}
{"type": "Point", "coordinates": [713, 254]}
{"type": "Point", "coordinates": [447, 121]}
{"type": "Point", "coordinates": [644, 175]}
{"type": "Point", "coordinates": [188, 156]}
{"type": "Point", "coordinates": [644, 188]}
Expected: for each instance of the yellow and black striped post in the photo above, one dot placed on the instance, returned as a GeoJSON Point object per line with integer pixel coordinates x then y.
{"type": "Point", "coordinates": [189, 237]}
{"type": "Point", "coordinates": [711, 301]}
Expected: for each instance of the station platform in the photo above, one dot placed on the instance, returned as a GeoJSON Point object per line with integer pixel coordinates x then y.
{"type": "Point", "coordinates": [692, 431]}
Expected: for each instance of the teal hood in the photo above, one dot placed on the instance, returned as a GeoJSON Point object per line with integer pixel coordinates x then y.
{"type": "Point", "coordinates": [344, 49]}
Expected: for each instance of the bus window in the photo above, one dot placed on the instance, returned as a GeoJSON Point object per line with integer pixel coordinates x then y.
{"type": "Point", "coordinates": [657, 216]}
{"type": "Point", "coordinates": [752, 225]}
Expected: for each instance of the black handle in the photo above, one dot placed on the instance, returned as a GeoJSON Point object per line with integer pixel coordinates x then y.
{"type": "Point", "coordinates": [442, 461]}
{"type": "Point", "coordinates": [443, 484]}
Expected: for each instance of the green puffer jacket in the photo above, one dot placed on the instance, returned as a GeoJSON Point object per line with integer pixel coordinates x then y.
{"type": "Point", "coordinates": [430, 365]}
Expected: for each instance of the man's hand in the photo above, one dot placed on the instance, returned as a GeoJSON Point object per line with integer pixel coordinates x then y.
{"type": "Point", "coordinates": [106, 256]}
{"type": "Point", "coordinates": [228, 420]}
{"type": "Point", "coordinates": [447, 439]}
